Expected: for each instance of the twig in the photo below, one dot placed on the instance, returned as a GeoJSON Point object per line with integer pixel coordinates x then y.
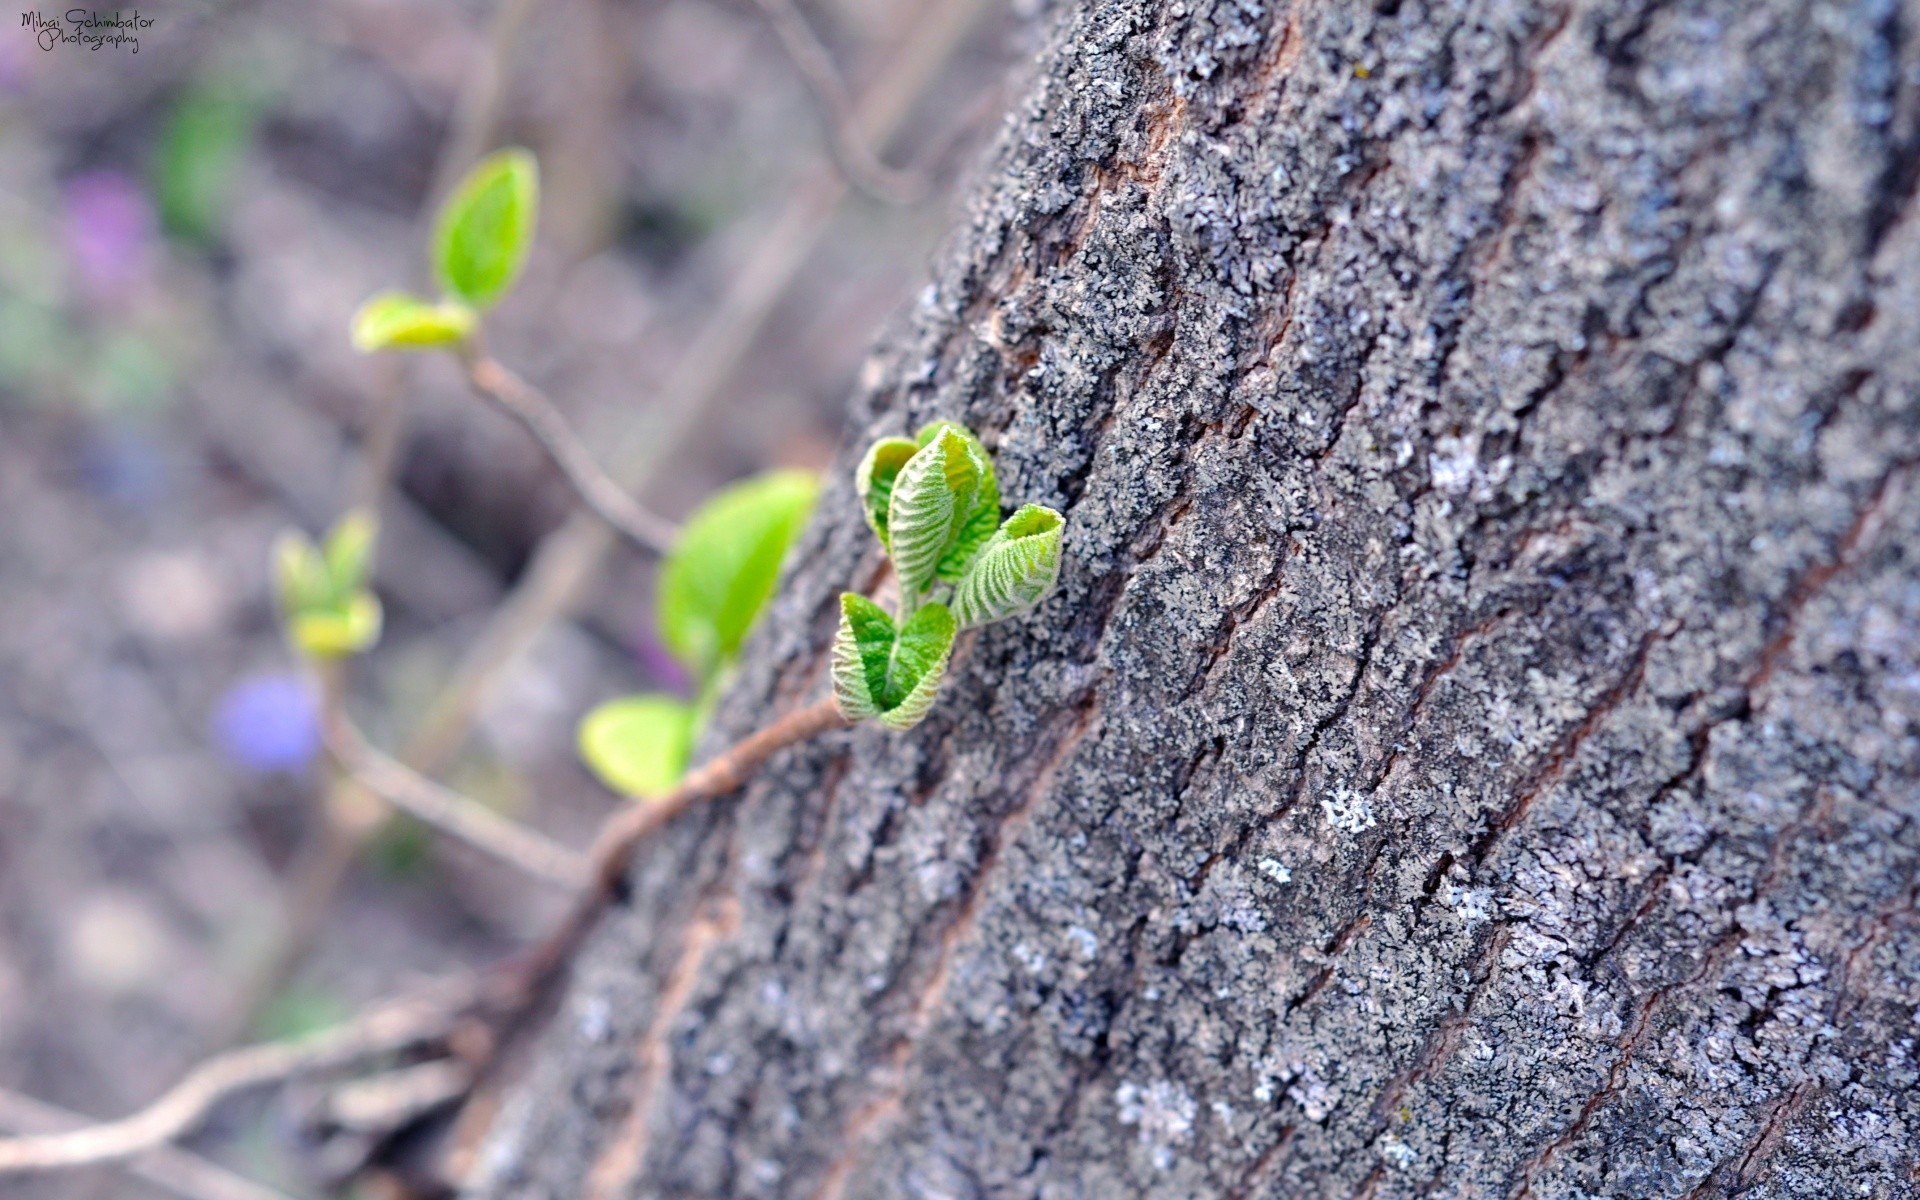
{"type": "Point", "coordinates": [404, 1023]}
{"type": "Point", "coordinates": [431, 1015]}
{"type": "Point", "coordinates": [856, 159]}
{"type": "Point", "coordinates": [529, 406]}
{"type": "Point", "coordinates": [567, 559]}
{"type": "Point", "coordinates": [169, 1168]}
{"type": "Point", "coordinates": [449, 811]}
{"type": "Point", "coordinates": [628, 827]}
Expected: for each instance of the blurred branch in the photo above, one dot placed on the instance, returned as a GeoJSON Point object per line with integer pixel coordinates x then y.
{"type": "Point", "coordinates": [567, 559]}
{"type": "Point", "coordinates": [856, 159]}
{"type": "Point", "coordinates": [408, 1022]}
{"type": "Point", "coordinates": [186, 1175]}
{"type": "Point", "coordinates": [628, 827]}
{"type": "Point", "coordinates": [597, 490]}
{"type": "Point", "coordinates": [449, 811]}
{"type": "Point", "coordinates": [431, 1015]}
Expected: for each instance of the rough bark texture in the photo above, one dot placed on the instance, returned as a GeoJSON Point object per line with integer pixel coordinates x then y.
{"type": "Point", "coordinates": [1475, 749]}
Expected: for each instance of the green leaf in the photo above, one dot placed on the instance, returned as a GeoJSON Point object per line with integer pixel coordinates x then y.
{"type": "Point", "coordinates": [338, 630]}
{"type": "Point", "coordinates": [199, 157]}
{"type": "Point", "coordinates": [639, 745]}
{"type": "Point", "coordinates": [919, 663]}
{"type": "Point", "coordinates": [888, 674]}
{"type": "Point", "coordinates": [485, 228]}
{"type": "Point", "coordinates": [300, 574]}
{"type": "Point", "coordinates": [722, 570]}
{"type": "Point", "coordinates": [349, 550]}
{"type": "Point", "coordinates": [982, 518]}
{"type": "Point", "coordinates": [874, 480]}
{"type": "Point", "coordinates": [933, 497]}
{"type": "Point", "coordinates": [398, 321]}
{"type": "Point", "coordinates": [861, 650]}
{"type": "Point", "coordinates": [1014, 570]}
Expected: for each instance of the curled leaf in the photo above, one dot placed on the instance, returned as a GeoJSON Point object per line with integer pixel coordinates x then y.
{"type": "Point", "coordinates": [1014, 570]}
{"type": "Point", "coordinates": [874, 480]}
{"type": "Point", "coordinates": [982, 517]}
{"type": "Point", "coordinates": [887, 673]}
{"type": "Point", "coordinates": [398, 321]}
{"type": "Point", "coordinates": [919, 664]}
{"type": "Point", "coordinates": [861, 649]}
{"type": "Point", "coordinates": [933, 498]}
{"type": "Point", "coordinates": [638, 745]}
{"type": "Point", "coordinates": [485, 229]}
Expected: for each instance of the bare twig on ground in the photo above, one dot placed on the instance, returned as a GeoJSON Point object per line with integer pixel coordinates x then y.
{"type": "Point", "coordinates": [856, 159]}
{"type": "Point", "coordinates": [185, 1174]}
{"type": "Point", "coordinates": [596, 489]}
{"type": "Point", "coordinates": [424, 1017]}
{"type": "Point", "coordinates": [450, 812]}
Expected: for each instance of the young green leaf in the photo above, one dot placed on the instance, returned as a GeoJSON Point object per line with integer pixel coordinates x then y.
{"type": "Point", "coordinates": [933, 496]}
{"type": "Point", "coordinates": [485, 229]}
{"type": "Point", "coordinates": [723, 568]}
{"type": "Point", "coordinates": [874, 480]}
{"type": "Point", "coordinates": [350, 626]}
{"type": "Point", "coordinates": [889, 674]}
{"type": "Point", "coordinates": [398, 321]}
{"type": "Point", "coordinates": [1014, 570]}
{"type": "Point", "coordinates": [639, 745]}
{"type": "Point", "coordinates": [861, 650]}
{"type": "Point", "coordinates": [984, 515]}
{"type": "Point", "coordinates": [300, 574]}
{"type": "Point", "coordinates": [349, 550]}
{"type": "Point", "coordinates": [919, 663]}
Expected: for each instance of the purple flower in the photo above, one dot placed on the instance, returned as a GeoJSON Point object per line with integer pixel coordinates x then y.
{"type": "Point", "coordinates": [661, 667]}
{"type": "Point", "coordinates": [268, 723]}
{"type": "Point", "coordinates": [109, 230]}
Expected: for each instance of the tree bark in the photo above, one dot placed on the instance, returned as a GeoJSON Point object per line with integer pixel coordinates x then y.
{"type": "Point", "coordinates": [1475, 747]}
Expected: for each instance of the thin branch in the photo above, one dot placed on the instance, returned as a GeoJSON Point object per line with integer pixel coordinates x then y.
{"type": "Point", "coordinates": [431, 1015]}
{"type": "Point", "coordinates": [398, 1026]}
{"type": "Point", "coordinates": [567, 559]}
{"type": "Point", "coordinates": [529, 406]}
{"type": "Point", "coordinates": [623, 831]}
{"type": "Point", "coordinates": [169, 1168]}
{"type": "Point", "coordinates": [449, 811]}
{"type": "Point", "coordinates": [856, 160]}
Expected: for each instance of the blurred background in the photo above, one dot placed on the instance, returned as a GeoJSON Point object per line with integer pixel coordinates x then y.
{"type": "Point", "coordinates": [184, 233]}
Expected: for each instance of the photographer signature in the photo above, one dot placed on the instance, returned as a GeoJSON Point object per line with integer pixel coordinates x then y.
{"type": "Point", "coordinates": [87, 27]}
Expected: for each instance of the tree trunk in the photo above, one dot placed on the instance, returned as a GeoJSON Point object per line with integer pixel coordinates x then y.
{"type": "Point", "coordinates": [1475, 747]}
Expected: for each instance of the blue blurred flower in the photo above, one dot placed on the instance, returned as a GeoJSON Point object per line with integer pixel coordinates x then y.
{"type": "Point", "coordinates": [268, 723]}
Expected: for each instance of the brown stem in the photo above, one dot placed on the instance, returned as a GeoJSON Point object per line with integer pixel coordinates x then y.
{"type": "Point", "coordinates": [405, 1023]}
{"type": "Point", "coordinates": [626, 829]}
{"type": "Point", "coordinates": [597, 490]}
{"type": "Point", "coordinates": [431, 1015]}
{"type": "Point", "coordinates": [449, 811]}
{"type": "Point", "coordinates": [166, 1167]}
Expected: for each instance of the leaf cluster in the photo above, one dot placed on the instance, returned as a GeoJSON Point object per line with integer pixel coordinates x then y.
{"type": "Point", "coordinates": [934, 504]}
{"type": "Point", "coordinates": [329, 609]}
